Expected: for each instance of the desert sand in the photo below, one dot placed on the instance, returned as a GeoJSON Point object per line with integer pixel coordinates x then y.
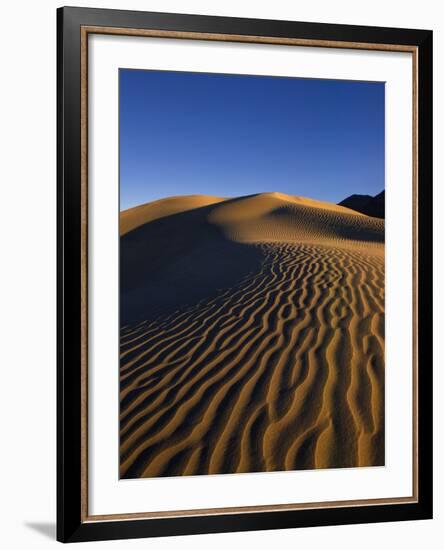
{"type": "Point", "coordinates": [252, 336]}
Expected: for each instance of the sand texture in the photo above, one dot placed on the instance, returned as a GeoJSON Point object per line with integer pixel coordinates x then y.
{"type": "Point", "coordinates": [252, 336]}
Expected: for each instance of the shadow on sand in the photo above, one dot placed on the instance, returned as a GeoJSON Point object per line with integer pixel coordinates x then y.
{"type": "Point", "coordinates": [176, 261]}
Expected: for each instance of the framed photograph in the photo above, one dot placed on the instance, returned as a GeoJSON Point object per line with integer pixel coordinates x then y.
{"type": "Point", "coordinates": [245, 269]}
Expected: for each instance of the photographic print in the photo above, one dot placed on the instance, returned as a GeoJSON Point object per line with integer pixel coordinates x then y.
{"type": "Point", "coordinates": [251, 273]}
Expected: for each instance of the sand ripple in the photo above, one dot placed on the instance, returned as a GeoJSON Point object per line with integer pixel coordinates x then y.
{"type": "Point", "coordinates": [281, 370]}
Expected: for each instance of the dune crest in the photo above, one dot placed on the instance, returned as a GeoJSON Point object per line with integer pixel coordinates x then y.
{"type": "Point", "coordinates": [252, 336]}
{"type": "Point", "coordinates": [139, 215]}
{"type": "Point", "coordinates": [275, 217]}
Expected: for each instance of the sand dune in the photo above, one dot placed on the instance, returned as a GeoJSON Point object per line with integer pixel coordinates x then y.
{"type": "Point", "coordinates": [139, 215]}
{"type": "Point", "coordinates": [252, 337]}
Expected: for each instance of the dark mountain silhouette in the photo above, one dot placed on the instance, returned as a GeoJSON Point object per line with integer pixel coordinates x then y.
{"type": "Point", "coordinates": [366, 204]}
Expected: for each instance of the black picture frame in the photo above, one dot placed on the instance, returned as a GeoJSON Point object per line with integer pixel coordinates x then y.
{"type": "Point", "coordinates": [71, 523]}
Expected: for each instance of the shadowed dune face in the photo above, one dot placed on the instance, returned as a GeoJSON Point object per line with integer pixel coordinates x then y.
{"type": "Point", "coordinates": [252, 337]}
{"type": "Point", "coordinates": [178, 260]}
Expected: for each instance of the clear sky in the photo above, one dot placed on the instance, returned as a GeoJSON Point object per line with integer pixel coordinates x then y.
{"type": "Point", "coordinates": [233, 135]}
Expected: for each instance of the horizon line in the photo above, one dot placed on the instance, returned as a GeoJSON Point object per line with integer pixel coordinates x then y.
{"type": "Point", "coordinates": [244, 196]}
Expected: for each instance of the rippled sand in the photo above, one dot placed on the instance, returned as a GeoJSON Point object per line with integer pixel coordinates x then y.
{"type": "Point", "coordinates": [252, 336]}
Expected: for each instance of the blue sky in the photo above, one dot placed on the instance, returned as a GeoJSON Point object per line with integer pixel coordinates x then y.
{"type": "Point", "coordinates": [233, 135]}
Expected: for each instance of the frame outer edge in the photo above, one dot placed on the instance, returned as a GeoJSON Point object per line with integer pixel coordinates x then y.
{"type": "Point", "coordinates": [425, 274]}
{"type": "Point", "coordinates": [68, 283]}
{"type": "Point", "coordinates": [69, 521]}
{"type": "Point", "coordinates": [60, 289]}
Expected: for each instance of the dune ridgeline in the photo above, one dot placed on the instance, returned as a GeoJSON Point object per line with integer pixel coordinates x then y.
{"type": "Point", "coordinates": [252, 336]}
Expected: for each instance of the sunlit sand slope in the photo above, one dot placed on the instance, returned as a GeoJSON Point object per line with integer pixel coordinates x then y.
{"type": "Point", "coordinates": [252, 338]}
{"type": "Point", "coordinates": [139, 215]}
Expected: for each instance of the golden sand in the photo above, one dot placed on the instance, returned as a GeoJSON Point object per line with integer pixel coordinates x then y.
{"type": "Point", "coordinates": [252, 336]}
